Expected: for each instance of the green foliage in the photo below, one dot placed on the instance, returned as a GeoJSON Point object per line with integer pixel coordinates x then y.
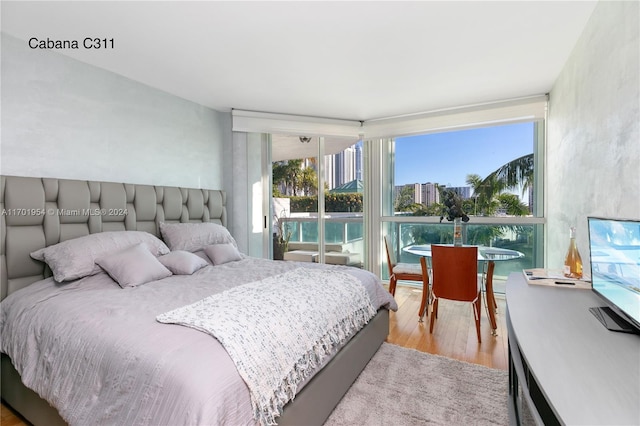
{"type": "Point", "coordinates": [404, 201]}
{"type": "Point", "coordinates": [483, 235]}
{"type": "Point", "coordinates": [281, 239]}
{"type": "Point", "coordinates": [512, 204]}
{"type": "Point", "coordinates": [293, 178]}
{"type": "Point", "coordinates": [514, 173]}
{"type": "Point", "coordinates": [309, 181]}
{"type": "Point", "coordinates": [304, 204]}
{"type": "Point", "coordinates": [485, 191]}
{"type": "Point", "coordinates": [429, 234]}
{"type": "Point", "coordinates": [422, 210]}
{"type": "Point", "coordinates": [347, 202]}
{"type": "Point", "coordinates": [442, 233]}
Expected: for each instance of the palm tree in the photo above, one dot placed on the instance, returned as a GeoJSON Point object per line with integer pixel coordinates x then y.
{"type": "Point", "coordinates": [515, 173]}
{"type": "Point", "coordinates": [309, 181]}
{"type": "Point", "coordinates": [512, 205]}
{"type": "Point", "coordinates": [485, 192]}
{"type": "Point", "coordinates": [287, 173]}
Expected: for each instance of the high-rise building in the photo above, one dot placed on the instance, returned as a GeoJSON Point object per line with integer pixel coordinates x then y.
{"type": "Point", "coordinates": [430, 193]}
{"type": "Point", "coordinates": [329, 171]}
{"type": "Point", "coordinates": [345, 166]}
{"type": "Point", "coordinates": [342, 167]}
{"type": "Point", "coordinates": [358, 148]}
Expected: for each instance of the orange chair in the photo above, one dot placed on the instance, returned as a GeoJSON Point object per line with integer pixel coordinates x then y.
{"type": "Point", "coordinates": [455, 277]}
{"type": "Point", "coordinates": [409, 272]}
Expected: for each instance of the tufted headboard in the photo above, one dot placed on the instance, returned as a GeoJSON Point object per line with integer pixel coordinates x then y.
{"type": "Point", "coordinates": [39, 212]}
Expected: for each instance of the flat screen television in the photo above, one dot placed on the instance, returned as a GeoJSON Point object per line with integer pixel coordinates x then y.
{"type": "Point", "coordinates": [614, 252]}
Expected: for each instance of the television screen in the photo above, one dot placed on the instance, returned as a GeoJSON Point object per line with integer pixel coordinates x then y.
{"type": "Point", "coordinates": [614, 246]}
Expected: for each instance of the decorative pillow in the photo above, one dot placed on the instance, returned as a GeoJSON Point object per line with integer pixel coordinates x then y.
{"type": "Point", "coordinates": [76, 258]}
{"type": "Point", "coordinates": [133, 266]}
{"type": "Point", "coordinates": [194, 236]}
{"type": "Point", "coordinates": [201, 254]}
{"type": "Point", "coordinates": [182, 262]}
{"type": "Point", "coordinates": [222, 253]}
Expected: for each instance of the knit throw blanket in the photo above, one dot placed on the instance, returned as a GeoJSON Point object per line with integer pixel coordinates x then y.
{"type": "Point", "coordinates": [278, 330]}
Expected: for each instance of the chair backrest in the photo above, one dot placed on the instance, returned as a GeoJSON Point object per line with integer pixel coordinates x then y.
{"type": "Point", "coordinates": [391, 256]}
{"type": "Point", "coordinates": [455, 272]}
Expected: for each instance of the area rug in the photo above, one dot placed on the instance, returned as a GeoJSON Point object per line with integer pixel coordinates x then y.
{"type": "Point", "coordinates": [403, 386]}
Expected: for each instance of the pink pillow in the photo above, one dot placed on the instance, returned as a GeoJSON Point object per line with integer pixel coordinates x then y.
{"type": "Point", "coordinates": [222, 253]}
{"type": "Point", "coordinates": [182, 262]}
{"type": "Point", "coordinates": [133, 266]}
{"type": "Point", "coordinates": [194, 236]}
{"type": "Point", "coordinates": [76, 258]}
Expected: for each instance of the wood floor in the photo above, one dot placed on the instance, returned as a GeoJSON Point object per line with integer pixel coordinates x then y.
{"type": "Point", "coordinates": [454, 332]}
{"type": "Point", "coordinates": [454, 335]}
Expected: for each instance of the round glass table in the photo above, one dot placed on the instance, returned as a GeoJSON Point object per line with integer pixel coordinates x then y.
{"type": "Point", "coordinates": [485, 254]}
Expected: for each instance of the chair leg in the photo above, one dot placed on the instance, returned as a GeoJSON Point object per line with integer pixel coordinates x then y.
{"type": "Point", "coordinates": [392, 285]}
{"type": "Point", "coordinates": [477, 308]}
{"type": "Point", "coordinates": [424, 307]}
{"type": "Point", "coordinates": [434, 314]}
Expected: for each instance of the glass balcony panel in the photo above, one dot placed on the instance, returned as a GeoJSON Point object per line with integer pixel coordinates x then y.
{"type": "Point", "coordinates": [513, 237]}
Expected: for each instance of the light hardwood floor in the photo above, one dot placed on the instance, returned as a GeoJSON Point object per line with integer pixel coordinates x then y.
{"type": "Point", "coordinates": [454, 335]}
{"type": "Point", "coordinates": [454, 332]}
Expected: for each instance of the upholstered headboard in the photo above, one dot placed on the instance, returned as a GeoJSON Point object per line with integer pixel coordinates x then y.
{"type": "Point", "coordinates": [39, 212]}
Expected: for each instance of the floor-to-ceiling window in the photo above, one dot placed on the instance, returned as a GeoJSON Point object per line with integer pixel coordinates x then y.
{"type": "Point", "coordinates": [456, 149]}
{"type": "Point", "coordinates": [493, 172]}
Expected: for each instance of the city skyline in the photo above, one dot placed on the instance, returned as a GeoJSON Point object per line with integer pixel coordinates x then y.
{"type": "Point", "coordinates": [443, 159]}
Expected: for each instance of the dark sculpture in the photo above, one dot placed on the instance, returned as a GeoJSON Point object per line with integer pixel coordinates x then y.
{"type": "Point", "coordinates": [452, 206]}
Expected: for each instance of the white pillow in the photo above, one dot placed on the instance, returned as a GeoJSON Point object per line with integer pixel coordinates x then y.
{"type": "Point", "coordinates": [194, 236]}
{"type": "Point", "coordinates": [76, 258]}
{"type": "Point", "coordinates": [133, 266]}
{"type": "Point", "coordinates": [182, 262]}
{"type": "Point", "coordinates": [222, 253]}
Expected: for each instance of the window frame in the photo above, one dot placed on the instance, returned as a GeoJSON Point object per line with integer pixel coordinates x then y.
{"type": "Point", "coordinates": [386, 220]}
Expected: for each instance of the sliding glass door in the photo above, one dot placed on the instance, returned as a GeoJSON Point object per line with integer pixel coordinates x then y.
{"type": "Point", "coordinates": [317, 199]}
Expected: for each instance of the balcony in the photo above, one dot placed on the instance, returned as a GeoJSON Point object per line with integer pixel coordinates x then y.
{"type": "Point", "coordinates": [344, 240]}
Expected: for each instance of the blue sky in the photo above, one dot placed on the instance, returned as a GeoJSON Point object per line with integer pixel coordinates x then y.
{"type": "Point", "coordinates": [447, 158]}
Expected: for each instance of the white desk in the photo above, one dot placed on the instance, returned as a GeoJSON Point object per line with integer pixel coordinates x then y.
{"type": "Point", "coordinates": [564, 366]}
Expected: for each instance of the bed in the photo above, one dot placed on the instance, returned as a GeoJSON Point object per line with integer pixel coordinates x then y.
{"type": "Point", "coordinates": [129, 359]}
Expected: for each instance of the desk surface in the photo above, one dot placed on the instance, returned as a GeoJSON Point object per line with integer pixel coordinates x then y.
{"type": "Point", "coordinates": [589, 375]}
{"type": "Point", "coordinates": [484, 252]}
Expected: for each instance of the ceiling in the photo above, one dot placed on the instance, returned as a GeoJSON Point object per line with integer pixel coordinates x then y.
{"type": "Point", "coordinates": [356, 60]}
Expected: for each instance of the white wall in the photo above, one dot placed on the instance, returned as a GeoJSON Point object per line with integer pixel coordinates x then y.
{"type": "Point", "coordinates": [593, 145]}
{"type": "Point", "coordinates": [63, 118]}
{"type": "Point", "coordinates": [245, 178]}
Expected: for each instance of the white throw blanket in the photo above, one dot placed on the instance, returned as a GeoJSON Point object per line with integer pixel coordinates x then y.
{"type": "Point", "coordinates": [278, 330]}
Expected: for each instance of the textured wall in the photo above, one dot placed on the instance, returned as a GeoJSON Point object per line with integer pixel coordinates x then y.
{"type": "Point", "coordinates": [66, 119]}
{"type": "Point", "coordinates": [593, 145]}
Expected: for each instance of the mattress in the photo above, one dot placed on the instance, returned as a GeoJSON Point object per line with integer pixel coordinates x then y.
{"type": "Point", "coordinates": [96, 352]}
